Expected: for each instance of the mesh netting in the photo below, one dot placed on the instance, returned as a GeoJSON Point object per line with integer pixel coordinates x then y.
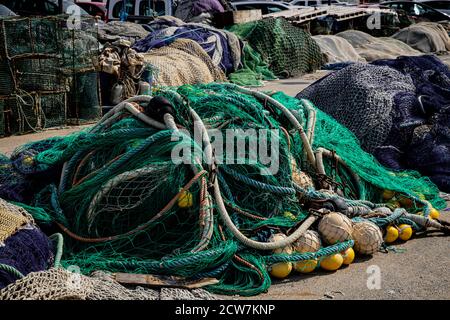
{"type": "Point", "coordinates": [183, 62]}
{"type": "Point", "coordinates": [337, 49]}
{"type": "Point", "coordinates": [84, 99]}
{"type": "Point", "coordinates": [370, 91]}
{"type": "Point", "coordinates": [20, 114]}
{"type": "Point", "coordinates": [372, 48]}
{"type": "Point", "coordinates": [6, 80]}
{"type": "Point", "coordinates": [398, 109]}
{"type": "Point", "coordinates": [2, 119]}
{"type": "Point", "coordinates": [53, 106]}
{"type": "Point", "coordinates": [59, 284]}
{"type": "Point", "coordinates": [426, 37]}
{"type": "Point", "coordinates": [124, 205]}
{"type": "Point", "coordinates": [41, 58]}
{"type": "Point", "coordinates": [39, 75]}
{"type": "Point", "coordinates": [30, 112]}
{"type": "Point", "coordinates": [11, 219]}
{"type": "Point", "coordinates": [29, 36]}
{"type": "Point", "coordinates": [288, 50]}
{"type": "Point", "coordinates": [23, 247]}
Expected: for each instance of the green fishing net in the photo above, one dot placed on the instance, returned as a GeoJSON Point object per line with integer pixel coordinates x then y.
{"type": "Point", "coordinates": [125, 206]}
{"type": "Point", "coordinates": [287, 50]}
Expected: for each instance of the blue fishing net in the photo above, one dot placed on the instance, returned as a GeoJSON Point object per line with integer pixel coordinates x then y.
{"type": "Point", "coordinates": [28, 250]}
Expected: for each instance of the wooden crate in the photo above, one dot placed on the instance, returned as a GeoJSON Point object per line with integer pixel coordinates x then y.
{"type": "Point", "coordinates": [299, 15]}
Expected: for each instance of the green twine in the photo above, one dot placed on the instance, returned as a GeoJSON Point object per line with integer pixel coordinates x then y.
{"type": "Point", "coordinates": [11, 270]}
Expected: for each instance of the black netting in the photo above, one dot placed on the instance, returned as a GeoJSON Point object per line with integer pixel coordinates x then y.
{"type": "Point", "coordinates": [42, 62]}
{"type": "Point", "coordinates": [84, 100]}
{"type": "Point", "coordinates": [39, 74]}
{"type": "Point", "coordinates": [6, 79]}
{"type": "Point", "coordinates": [53, 106]}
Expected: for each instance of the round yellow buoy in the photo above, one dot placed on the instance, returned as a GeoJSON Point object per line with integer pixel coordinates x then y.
{"type": "Point", "coordinates": [405, 232]}
{"type": "Point", "coordinates": [335, 227]}
{"type": "Point", "coordinates": [280, 270]}
{"type": "Point", "coordinates": [28, 161]}
{"type": "Point", "coordinates": [348, 255]}
{"type": "Point", "coordinates": [306, 266]}
{"type": "Point", "coordinates": [289, 215]}
{"type": "Point", "coordinates": [368, 237]}
{"type": "Point", "coordinates": [391, 234]}
{"type": "Point", "coordinates": [185, 200]}
{"type": "Point", "coordinates": [434, 214]}
{"type": "Point", "coordinates": [388, 194]}
{"type": "Point", "coordinates": [308, 242]}
{"type": "Point", "coordinates": [332, 263]}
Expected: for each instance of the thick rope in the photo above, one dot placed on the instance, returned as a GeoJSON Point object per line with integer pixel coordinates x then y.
{"type": "Point", "coordinates": [11, 270]}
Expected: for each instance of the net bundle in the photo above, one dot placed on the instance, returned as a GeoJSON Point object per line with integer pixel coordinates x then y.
{"type": "Point", "coordinates": [370, 91]}
{"type": "Point", "coordinates": [125, 205]}
{"type": "Point", "coordinates": [337, 49]}
{"type": "Point", "coordinates": [183, 62]}
{"type": "Point", "coordinates": [287, 49]}
{"type": "Point", "coordinates": [372, 48]}
{"type": "Point", "coordinates": [23, 247]}
{"type": "Point", "coordinates": [426, 37]}
{"type": "Point", "coordinates": [60, 284]}
{"type": "Point", "coordinates": [398, 109]}
{"type": "Point", "coordinates": [222, 46]}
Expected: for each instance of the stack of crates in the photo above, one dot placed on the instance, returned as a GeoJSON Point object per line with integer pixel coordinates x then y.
{"type": "Point", "coordinates": [40, 62]}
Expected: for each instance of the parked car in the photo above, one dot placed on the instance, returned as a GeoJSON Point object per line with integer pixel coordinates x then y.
{"type": "Point", "coordinates": [40, 7]}
{"type": "Point", "coordinates": [417, 10]}
{"type": "Point", "coordinates": [138, 9]}
{"type": "Point", "coordinates": [439, 5]}
{"type": "Point", "coordinates": [4, 11]}
{"type": "Point", "coordinates": [266, 6]}
{"type": "Point", "coordinates": [95, 9]}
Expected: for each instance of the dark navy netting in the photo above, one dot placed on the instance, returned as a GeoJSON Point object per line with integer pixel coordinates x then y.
{"type": "Point", "coordinates": [28, 250]}
{"type": "Point", "coordinates": [13, 184]}
{"type": "Point", "coordinates": [411, 111]}
{"type": "Point", "coordinates": [424, 119]}
{"type": "Point", "coordinates": [21, 175]}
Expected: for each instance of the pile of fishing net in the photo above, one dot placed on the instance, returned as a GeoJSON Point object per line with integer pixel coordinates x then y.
{"type": "Point", "coordinates": [288, 50]}
{"type": "Point", "coordinates": [222, 46]}
{"type": "Point", "coordinates": [199, 10]}
{"type": "Point", "coordinates": [371, 48]}
{"type": "Point", "coordinates": [60, 284]}
{"type": "Point", "coordinates": [337, 49]}
{"type": "Point", "coordinates": [116, 30]}
{"type": "Point", "coordinates": [427, 37]}
{"type": "Point", "coordinates": [200, 181]}
{"type": "Point", "coordinates": [124, 67]}
{"type": "Point", "coordinates": [183, 62]}
{"type": "Point", "coordinates": [398, 109]}
{"type": "Point", "coordinates": [23, 247]}
{"type": "Point", "coordinates": [254, 69]}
